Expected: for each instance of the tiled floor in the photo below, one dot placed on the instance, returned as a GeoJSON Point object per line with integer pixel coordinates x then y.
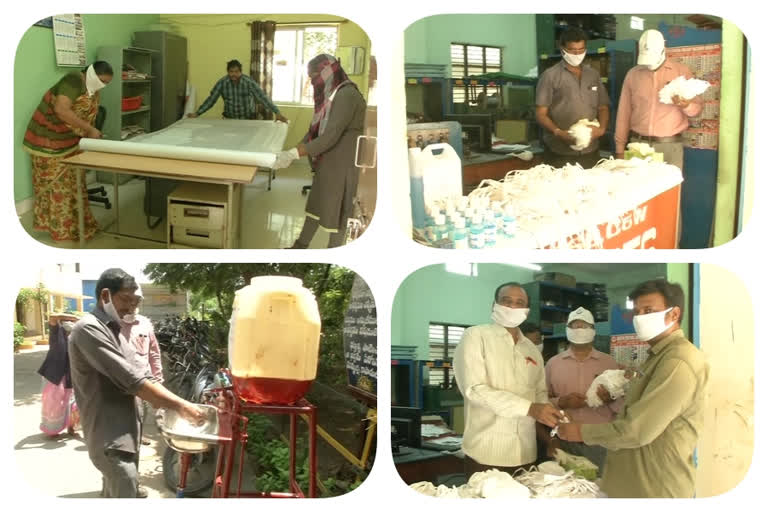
{"type": "Point", "coordinates": [270, 219]}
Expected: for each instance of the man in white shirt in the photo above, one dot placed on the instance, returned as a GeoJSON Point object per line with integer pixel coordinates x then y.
{"type": "Point", "coordinates": [500, 373]}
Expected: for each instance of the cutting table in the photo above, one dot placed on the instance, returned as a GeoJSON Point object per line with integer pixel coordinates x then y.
{"type": "Point", "coordinates": [222, 152]}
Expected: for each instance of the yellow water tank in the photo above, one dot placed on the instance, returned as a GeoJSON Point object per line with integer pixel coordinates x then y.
{"type": "Point", "coordinates": [274, 340]}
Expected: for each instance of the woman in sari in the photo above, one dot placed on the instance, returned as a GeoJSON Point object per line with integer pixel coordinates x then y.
{"type": "Point", "coordinates": [330, 144]}
{"type": "Point", "coordinates": [65, 114]}
{"type": "Point", "coordinates": [59, 408]}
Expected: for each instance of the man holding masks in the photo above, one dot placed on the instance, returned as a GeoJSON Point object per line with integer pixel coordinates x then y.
{"type": "Point", "coordinates": [500, 373]}
{"type": "Point", "coordinates": [641, 117]}
{"type": "Point", "coordinates": [568, 92]}
{"type": "Point", "coordinates": [107, 382]}
{"type": "Point", "coordinates": [569, 376]}
{"type": "Point", "coordinates": [651, 442]}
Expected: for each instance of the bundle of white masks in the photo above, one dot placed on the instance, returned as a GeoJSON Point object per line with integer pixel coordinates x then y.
{"type": "Point", "coordinates": [686, 88]}
{"type": "Point", "coordinates": [614, 381]}
{"type": "Point", "coordinates": [582, 132]}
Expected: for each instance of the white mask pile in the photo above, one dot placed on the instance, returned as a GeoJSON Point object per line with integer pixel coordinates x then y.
{"type": "Point", "coordinates": [582, 132]}
{"type": "Point", "coordinates": [562, 208]}
{"type": "Point", "coordinates": [686, 88]}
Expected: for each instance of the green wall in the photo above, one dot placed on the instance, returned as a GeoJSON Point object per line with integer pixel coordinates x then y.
{"type": "Point", "coordinates": [431, 294]}
{"type": "Point", "coordinates": [428, 41]}
{"type": "Point", "coordinates": [35, 71]}
{"type": "Point", "coordinates": [729, 149]}
{"type": "Point", "coordinates": [680, 273]}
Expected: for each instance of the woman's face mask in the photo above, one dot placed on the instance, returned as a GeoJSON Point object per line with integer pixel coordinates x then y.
{"type": "Point", "coordinates": [92, 81]}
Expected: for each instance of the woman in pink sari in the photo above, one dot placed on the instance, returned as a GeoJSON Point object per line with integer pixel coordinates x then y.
{"type": "Point", "coordinates": [59, 408]}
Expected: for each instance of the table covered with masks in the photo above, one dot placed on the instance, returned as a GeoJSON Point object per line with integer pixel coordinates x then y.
{"type": "Point", "coordinates": [568, 476]}
{"type": "Point", "coordinates": [220, 152]}
{"type": "Point", "coordinates": [618, 204]}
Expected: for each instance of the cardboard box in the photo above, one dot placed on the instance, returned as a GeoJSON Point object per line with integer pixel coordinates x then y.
{"type": "Point", "coordinates": [557, 278]}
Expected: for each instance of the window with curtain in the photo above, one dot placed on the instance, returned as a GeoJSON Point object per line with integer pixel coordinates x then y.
{"type": "Point", "coordinates": [472, 59]}
{"type": "Point", "coordinates": [295, 46]}
{"type": "Point", "coordinates": [443, 339]}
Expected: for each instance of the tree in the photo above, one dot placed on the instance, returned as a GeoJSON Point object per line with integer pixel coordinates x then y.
{"type": "Point", "coordinates": [40, 295]}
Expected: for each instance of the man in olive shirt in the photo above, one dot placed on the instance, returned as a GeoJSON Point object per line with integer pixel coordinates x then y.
{"type": "Point", "coordinates": [652, 440]}
{"type": "Point", "coordinates": [106, 383]}
{"type": "Point", "coordinates": [568, 92]}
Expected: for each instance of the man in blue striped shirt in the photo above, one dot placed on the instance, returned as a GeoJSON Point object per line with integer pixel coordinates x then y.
{"type": "Point", "coordinates": [240, 93]}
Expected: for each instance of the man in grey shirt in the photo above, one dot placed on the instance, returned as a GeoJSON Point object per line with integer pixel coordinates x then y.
{"type": "Point", "coordinates": [106, 384]}
{"type": "Point", "coordinates": [568, 92]}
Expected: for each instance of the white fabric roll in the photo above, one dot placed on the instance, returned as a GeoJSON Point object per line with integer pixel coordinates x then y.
{"type": "Point", "coordinates": [239, 142]}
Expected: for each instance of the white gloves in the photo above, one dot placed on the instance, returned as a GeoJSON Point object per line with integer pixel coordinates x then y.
{"type": "Point", "coordinates": [284, 158]}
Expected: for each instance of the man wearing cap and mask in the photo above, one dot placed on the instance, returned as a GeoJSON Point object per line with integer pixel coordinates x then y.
{"type": "Point", "coordinates": [500, 373]}
{"type": "Point", "coordinates": [569, 376]}
{"type": "Point", "coordinates": [653, 438]}
{"type": "Point", "coordinates": [566, 93]}
{"type": "Point", "coordinates": [106, 383]}
{"type": "Point", "coordinates": [641, 116]}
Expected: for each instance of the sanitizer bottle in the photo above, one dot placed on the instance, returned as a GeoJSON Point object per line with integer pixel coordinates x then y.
{"type": "Point", "coordinates": [490, 229]}
{"type": "Point", "coordinates": [477, 232]}
{"type": "Point", "coordinates": [460, 240]}
{"type": "Point", "coordinates": [510, 225]}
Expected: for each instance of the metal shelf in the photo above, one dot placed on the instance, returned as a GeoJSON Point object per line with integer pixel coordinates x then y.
{"type": "Point", "coordinates": [143, 108]}
{"type": "Point", "coordinates": [550, 284]}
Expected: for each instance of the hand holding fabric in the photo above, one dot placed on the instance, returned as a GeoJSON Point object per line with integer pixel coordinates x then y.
{"type": "Point", "coordinates": [284, 158]}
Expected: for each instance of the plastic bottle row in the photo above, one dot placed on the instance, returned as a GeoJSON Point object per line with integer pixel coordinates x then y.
{"type": "Point", "coordinates": [461, 223]}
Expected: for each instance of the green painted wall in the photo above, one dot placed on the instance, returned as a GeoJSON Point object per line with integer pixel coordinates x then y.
{"type": "Point", "coordinates": [680, 273]}
{"type": "Point", "coordinates": [428, 41]}
{"type": "Point", "coordinates": [431, 294]}
{"type": "Point", "coordinates": [35, 71]}
{"type": "Point", "coordinates": [212, 40]}
{"type": "Point", "coordinates": [729, 149]}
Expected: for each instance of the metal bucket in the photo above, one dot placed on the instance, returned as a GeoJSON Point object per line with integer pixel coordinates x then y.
{"type": "Point", "coordinates": [184, 437]}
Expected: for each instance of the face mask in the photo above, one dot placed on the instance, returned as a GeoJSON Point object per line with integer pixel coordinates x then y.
{"type": "Point", "coordinates": [92, 82]}
{"type": "Point", "coordinates": [658, 63]}
{"type": "Point", "coordinates": [651, 325]}
{"type": "Point", "coordinates": [508, 317]}
{"type": "Point", "coordinates": [580, 336]}
{"type": "Point", "coordinates": [130, 319]}
{"type": "Point", "coordinates": [573, 59]}
{"type": "Point", "coordinates": [109, 308]}
{"type": "Point", "coordinates": [540, 347]}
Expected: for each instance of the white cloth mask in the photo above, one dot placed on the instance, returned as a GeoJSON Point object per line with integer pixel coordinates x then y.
{"type": "Point", "coordinates": [580, 336]}
{"type": "Point", "coordinates": [650, 325]}
{"type": "Point", "coordinates": [129, 319]}
{"type": "Point", "coordinates": [540, 346]}
{"type": "Point", "coordinates": [508, 317]}
{"type": "Point", "coordinates": [92, 81]}
{"type": "Point", "coordinates": [109, 308]}
{"type": "Point", "coordinates": [574, 59]}
{"type": "Point", "coordinates": [657, 64]}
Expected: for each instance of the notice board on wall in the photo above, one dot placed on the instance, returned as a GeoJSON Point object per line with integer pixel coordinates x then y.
{"type": "Point", "coordinates": [69, 40]}
{"type": "Point", "coordinates": [627, 350]}
{"type": "Point", "coordinates": [705, 62]}
{"type": "Point", "coordinates": [360, 339]}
